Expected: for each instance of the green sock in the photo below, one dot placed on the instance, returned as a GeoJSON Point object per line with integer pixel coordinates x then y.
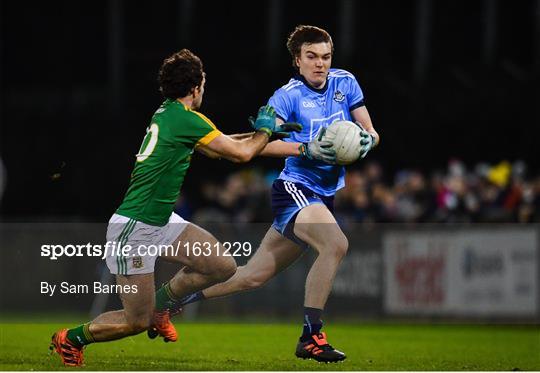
{"type": "Point", "coordinates": [165, 299]}
{"type": "Point", "coordinates": [80, 336]}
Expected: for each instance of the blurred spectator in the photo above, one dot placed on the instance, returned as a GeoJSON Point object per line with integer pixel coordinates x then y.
{"type": "Point", "coordinates": [243, 198]}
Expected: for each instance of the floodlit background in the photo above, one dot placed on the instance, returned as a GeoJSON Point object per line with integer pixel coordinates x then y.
{"type": "Point", "coordinates": [441, 217]}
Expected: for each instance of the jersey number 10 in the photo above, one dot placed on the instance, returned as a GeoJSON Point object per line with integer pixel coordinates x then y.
{"type": "Point", "coordinates": [149, 143]}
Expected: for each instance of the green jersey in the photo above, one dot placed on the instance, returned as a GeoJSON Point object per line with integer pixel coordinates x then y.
{"type": "Point", "coordinates": [163, 160]}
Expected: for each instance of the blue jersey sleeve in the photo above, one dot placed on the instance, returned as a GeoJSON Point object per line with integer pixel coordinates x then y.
{"type": "Point", "coordinates": [355, 95]}
{"type": "Point", "coordinates": [282, 103]}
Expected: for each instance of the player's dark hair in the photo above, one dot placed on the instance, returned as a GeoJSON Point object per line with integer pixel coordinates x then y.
{"type": "Point", "coordinates": [308, 35]}
{"type": "Point", "coordinates": [179, 74]}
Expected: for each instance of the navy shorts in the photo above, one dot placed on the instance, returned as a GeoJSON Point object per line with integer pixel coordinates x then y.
{"type": "Point", "coordinates": [288, 198]}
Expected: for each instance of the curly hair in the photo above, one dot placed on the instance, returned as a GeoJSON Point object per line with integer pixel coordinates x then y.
{"type": "Point", "coordinates": [179, 74]}
{"type": "Point", "coordinates": [308, 35]}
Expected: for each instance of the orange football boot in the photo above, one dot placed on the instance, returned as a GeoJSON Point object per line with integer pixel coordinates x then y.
{"type": "Point", "coordinates": [163, 327]}
{"type": "Point", "coordinates": [71, 355]}
{"type": "Point", "coordinates": [319, 349]}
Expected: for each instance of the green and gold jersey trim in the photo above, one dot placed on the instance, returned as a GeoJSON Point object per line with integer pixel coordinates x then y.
{"type": "Point", "coordinates": [206, 139]}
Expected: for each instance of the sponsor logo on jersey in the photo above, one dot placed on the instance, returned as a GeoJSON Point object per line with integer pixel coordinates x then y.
{"type": "Point", "coordinates": [310, 104]}
{"type": "Point", "coordinates": [338, 96]}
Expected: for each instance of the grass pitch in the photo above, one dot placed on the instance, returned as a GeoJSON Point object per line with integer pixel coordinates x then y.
{"type": "Point", "coordinates": [205, 346]}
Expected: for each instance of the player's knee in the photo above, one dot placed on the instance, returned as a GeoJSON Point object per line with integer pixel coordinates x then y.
{"type": "Point", "coordinates": [225, 269]}
{"type": "Point", "coordinates": [229, 269]}
{"type": "Point", "coordinates": [341, 245]}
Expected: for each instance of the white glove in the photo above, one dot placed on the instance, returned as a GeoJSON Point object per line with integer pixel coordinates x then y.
{"type": "Point", "coordinates": [367, 141]}
{"type": "Point", "coordinates": [319, 149]}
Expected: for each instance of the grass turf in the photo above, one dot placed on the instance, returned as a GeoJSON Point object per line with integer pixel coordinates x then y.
{"type": "Point", "coordinates": [205, 346]}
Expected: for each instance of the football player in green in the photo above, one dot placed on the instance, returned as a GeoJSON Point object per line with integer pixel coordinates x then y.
{"type": "Point", "coordinates": [146, 215]}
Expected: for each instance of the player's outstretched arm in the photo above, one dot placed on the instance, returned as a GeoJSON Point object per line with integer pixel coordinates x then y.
{"type": "Point", "coordinates": [242, 136]}
{"type": "Point", "coordinates": [281, 149]}
{"type": "Point", "coordinates": [237, 136]}
{"type": "Point", "coordinates": [238, 151]}
{"type": "Point", "coordinates": [318, 148]}
{"type": "Point", "coordinates": [240, 148]}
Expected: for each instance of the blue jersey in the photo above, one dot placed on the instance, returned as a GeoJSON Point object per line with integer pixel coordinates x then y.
{"type": "Point", "coordinates": [315, 108]}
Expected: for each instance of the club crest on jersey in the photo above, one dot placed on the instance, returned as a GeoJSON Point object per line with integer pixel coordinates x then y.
{"type": "Point", "coordinates": [137, 262]}
{"type": "Point", "coordinates": [338, 96]}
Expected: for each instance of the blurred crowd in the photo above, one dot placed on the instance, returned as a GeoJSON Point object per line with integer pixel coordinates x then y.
{"type": "Point", "coordinates": [487, 193]}
{"type": "Point", "coordinates": [497, 193]}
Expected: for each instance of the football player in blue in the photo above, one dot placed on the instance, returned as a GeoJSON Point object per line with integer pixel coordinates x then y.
{"type": "Point", "coordinates": [303, 194]}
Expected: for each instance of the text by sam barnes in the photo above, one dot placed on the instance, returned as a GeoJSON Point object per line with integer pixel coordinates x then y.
{"type": "Point", "coordinates": [96, 288]}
